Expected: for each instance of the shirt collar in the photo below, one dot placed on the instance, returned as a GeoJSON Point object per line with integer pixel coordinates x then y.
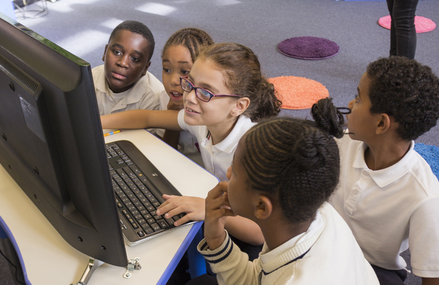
{"type": "Point", "coordinates": [229, 144]}
{"type": "Point", "coordinates": [384, 177]}
{"type": "Point", "coordinates": [101, 82]}
{"type": "Point", "coordinates": [294, 248]}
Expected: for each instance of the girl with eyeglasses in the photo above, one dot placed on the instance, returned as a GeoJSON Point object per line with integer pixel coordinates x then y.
{"type": "Point", "coordinates": [225, 94]}
{"type": "Point", "coordinates": [229, 97]}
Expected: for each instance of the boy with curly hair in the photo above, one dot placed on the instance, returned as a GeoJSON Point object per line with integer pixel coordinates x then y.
{"type": "Point", "coordinates": [388, 194]}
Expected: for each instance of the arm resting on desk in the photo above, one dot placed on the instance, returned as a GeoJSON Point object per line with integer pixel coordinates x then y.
{"type": "Point", "coordinates": [140, 119]}
{"type": "Point", "coordinates": [430, 281]}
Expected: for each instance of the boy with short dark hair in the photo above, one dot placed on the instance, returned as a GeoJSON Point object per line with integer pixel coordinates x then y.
{"type": "Point", "coordinates": [388, 194]}
{"type": "Point", "coordinates": [123, 81]}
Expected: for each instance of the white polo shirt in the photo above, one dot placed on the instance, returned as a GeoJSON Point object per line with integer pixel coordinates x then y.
{"type": "Point", "coordinates": [143, 95]}
{"type": "Point", "coordinates": [390, 209]}
{"type": "Point", "coordinates": [217, 158]}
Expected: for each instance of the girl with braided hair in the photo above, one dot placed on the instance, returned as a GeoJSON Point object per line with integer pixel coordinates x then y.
{"type": "Point", "coordinates": [178, 56]}
{"type": "Point", "coordinates": [283, 172]}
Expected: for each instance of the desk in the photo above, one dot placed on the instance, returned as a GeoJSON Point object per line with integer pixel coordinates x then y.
{"type": "Point", "coordinates": [49, 259]}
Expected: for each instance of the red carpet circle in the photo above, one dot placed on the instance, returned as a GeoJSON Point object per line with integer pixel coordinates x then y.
{"type": "Point", "coordinates": [422, 24]}
{"type": "Point", "coordinates": [298, 92]}
{"type": "Point", "coordinates": [308, 48]}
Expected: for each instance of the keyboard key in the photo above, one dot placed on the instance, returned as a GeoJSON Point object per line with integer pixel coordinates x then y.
{"type": "Point", "coordinates": [148, 231]}
{"type": "Point", "coordinates": [150, 221]}
{"type": "Point", "coordinates": [150, 208]}
{"type": "Point", "coordinates": [138, 217]}
{"type": "Point", "coordinates": [147, 216]}
{"type": "Point", "coordinates": [170, 221]}
{"type": "Point", "coordinates": [155, 227]}
{"type": "Point", "coordinates": [163, 224]}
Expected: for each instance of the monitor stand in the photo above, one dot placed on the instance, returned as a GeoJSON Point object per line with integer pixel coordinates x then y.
{"type": "Point", "coordinates": [93, 264]}
{"type": "Point", "coordinates": [91, 267]}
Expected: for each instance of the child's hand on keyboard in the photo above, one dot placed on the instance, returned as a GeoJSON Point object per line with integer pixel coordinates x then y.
{"type": "Point", "coordinates": [193, 207]}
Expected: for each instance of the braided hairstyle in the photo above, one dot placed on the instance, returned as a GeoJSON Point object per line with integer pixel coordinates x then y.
{"type": "Point", "coordinates": [193, 39]}
{"type": "Point", "coordinates": [297, 161]}
{"type": "Point", "coordinates": [243, 75]}
{"type": "Point", "coordinates": [137, 28]}
{"type": "Point", "coordinates": [407, 91]}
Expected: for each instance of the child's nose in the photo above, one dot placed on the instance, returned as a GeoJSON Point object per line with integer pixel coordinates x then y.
{"type": "Point", "coordinates": [190, 96]}
{"type": "Point", "coordinates": [123, 61]}
{"type": "Point", "coordinates": [175, 80]}
{"type": "Point", "coordinates": [351, 104]}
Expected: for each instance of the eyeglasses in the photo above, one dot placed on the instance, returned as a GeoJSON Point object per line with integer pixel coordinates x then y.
{"type": "Point", "coordinates": [201, 93]}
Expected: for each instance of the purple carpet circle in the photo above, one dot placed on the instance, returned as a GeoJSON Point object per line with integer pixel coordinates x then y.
{"type": "Point", "coordinates": [308, 48]}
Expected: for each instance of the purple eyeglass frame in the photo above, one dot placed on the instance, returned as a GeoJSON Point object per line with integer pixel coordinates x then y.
{"type": "Point", "coordinates": [196, 92]}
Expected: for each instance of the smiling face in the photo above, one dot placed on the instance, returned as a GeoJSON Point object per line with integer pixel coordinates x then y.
{"type": "Point", "coordinates": [126, 59]}
{"type": "Point", "coordinates": [205, 74]}
{"type": "Point", "coordinates": [176, 62]}
{"type": "Point", "coordinates": [361, 122]}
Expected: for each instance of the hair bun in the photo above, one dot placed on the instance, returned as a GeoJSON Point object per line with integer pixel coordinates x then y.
{"type": "Point", "coordinates": [328, 117]}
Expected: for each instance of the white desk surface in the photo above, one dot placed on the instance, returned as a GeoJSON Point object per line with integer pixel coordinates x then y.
{"type": "Point", "coordinates": [49, 259]}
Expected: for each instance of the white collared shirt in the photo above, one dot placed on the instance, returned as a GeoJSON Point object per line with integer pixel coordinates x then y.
{"type": "Point", "coordinates": [326, 253]}
{"type": "Point", "coordinates": [390, 209]}
{"type": "Point", "coordinates": [143, 95]}
{"type": "Point", "coordinates": [217, 158]}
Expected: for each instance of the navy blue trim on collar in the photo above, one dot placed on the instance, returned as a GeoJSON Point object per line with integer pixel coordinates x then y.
{"type": "Point", "coordinates": [291, 261]}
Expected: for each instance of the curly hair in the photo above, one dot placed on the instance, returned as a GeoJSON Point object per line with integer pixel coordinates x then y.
{"type": "Point", "coordinates": [296, 160]}
{"type": "Point", "coordinates": [242, 71]}
{"type": "Point", "coordinates": [137, 28]}
{"type": "Point", "coordinates": [193, 39]}
{"type": "Point", "coordinates": [406, 90]}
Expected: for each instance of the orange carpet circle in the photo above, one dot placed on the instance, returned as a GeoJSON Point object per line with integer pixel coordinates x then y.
{"type": "Point", "coordinates": [298, 92]}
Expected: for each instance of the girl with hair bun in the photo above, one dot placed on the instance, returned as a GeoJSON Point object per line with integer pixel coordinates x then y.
{"type": "Point", "coordinates": [283, 172]}
{"type": "Point", "coordinates": [225, 94]}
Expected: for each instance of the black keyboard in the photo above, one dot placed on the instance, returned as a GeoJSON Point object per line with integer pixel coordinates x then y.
{"type": "Point", "coordinates": [137, 195]}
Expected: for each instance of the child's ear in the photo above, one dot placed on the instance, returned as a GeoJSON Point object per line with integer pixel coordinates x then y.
{"type": "Point", "coordinates": [146, 68]}
{"type": "Point", "coordinates": [264, 208]}
{"type": "Point", "coordinates": [383, 124]}
{"type": "Point", "coordinates": [240, 106]}
{"type": "Point", "coordinates": [105, 51]}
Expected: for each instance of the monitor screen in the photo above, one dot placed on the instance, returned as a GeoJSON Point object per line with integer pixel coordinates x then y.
{"type": "Point", "coordinates": [52, 142]}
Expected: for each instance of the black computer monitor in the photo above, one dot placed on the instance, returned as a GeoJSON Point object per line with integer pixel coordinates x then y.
{"type": "Point", "coordinates": [52, 142]}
